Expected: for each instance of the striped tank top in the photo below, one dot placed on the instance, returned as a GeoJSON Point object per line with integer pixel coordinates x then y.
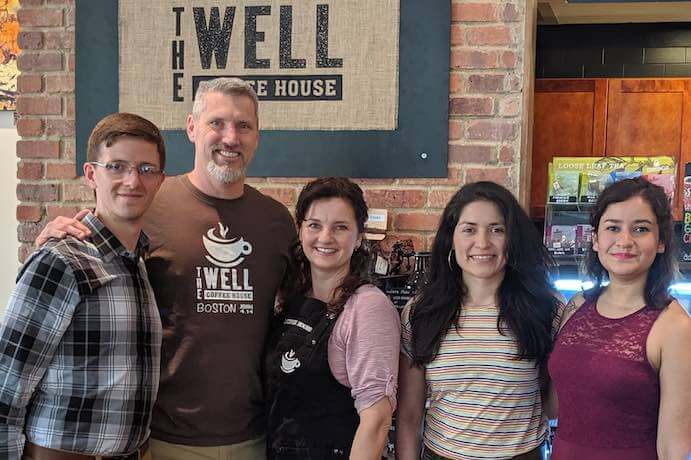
{"type": "Point", "coordinates": [483, 403]}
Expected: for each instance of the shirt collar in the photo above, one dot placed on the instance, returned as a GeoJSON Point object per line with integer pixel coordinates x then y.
{"type": "Point", "coordinates": [108, 244]}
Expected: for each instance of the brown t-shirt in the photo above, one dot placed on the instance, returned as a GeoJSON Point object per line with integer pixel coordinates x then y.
{"type": "Point", "coordinates": [215, 266]}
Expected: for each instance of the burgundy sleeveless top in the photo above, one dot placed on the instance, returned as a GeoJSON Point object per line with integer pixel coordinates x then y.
{"type": "Point", "coordinates": [609, 395]}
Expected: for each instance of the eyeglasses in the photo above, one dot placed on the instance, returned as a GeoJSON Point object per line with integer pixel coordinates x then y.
{"type": "Point", "coordinates": [118, 169]}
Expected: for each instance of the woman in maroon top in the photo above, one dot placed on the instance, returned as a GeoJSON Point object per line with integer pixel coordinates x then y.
{"type": "Point", "coordinates": [621, 364]}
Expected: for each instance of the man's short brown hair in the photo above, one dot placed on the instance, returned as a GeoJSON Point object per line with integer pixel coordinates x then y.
{"type": "Point", "coordinates": [117, 125]}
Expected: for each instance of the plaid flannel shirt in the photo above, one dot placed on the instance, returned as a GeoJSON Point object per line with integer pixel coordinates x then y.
{"type": "Point", "coordinates": [80, 349]}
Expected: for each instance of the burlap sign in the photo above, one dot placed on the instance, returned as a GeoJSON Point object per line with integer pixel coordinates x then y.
{"type": "Point", "coordinates": [316, 65]}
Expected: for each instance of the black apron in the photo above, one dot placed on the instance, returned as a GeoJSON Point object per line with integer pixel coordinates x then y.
{"type": "Point", "coordinates": [311, 415]}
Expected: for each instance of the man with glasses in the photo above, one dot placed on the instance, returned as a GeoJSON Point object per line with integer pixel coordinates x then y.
{"type": "Point", "coordinates": [80, 338]}
{"type": "Point", "coordinates": [219, 252]}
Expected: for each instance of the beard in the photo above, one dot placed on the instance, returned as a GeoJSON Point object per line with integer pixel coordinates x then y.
{"type": "Point", "coordinates": [225, 174]}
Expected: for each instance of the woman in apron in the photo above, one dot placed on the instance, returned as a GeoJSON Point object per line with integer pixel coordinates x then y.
{"type": "Point", "coordinates": [332, 358]}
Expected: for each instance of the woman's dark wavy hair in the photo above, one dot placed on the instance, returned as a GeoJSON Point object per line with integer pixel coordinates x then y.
{"type": "Point", "coordinates": [299, 280]}
{"type": "Point", "coordinates": [527, 301]}
{"type": "Point", "coordinates": [664, 267]}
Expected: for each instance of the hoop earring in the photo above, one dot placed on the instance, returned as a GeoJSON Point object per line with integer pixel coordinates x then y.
{"type": "Point", "coordinates": [448, 259]}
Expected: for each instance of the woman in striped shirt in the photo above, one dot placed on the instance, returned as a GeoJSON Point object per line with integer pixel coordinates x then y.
{"type": "Point", "coordinates": [477, 336]}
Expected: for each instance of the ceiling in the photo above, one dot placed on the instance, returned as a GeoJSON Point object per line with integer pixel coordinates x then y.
{"type": "Point", "coordinates": [561, 12]}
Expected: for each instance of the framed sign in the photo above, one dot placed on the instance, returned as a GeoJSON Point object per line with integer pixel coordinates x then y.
{"type": "Point", "coordinates": [346, 87]}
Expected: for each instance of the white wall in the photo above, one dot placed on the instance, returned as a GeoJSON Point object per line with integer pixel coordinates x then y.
{"type": "Point", "coordinates": [8, 205]}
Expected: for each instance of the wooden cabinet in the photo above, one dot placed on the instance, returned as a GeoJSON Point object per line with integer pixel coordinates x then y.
{"type": "Point", "coordinates": [609, 117]}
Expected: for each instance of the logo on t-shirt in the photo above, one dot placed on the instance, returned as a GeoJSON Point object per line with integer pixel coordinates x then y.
{"type": "Point", "coordinates": [222, 251]}
{"type": "Point", "coordinates": [224, 287]}
{"type": "Point", "coordinates": [289, 362]}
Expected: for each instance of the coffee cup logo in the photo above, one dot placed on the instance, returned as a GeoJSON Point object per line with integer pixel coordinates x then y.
{"type": "Point", "coordinates": [222, 251]}
{"type": "Point", "coordinates": [289, 362]}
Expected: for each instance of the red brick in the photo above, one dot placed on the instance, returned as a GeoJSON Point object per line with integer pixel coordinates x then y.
{"type": "Point", "coordinates": [70, 106]}
{"type": "Point", "coordinates": [491, 130]}
{"type": "Point", "coordinates": [458, 34]}
{"type": "Point", "coordinates": [60, 83]}
{"type": "Point", "coordinates": [58, 40]}
{"type": "Point", "coordinates": [69, 151]}
{"type": "Point", "coordinates": [53, 211]}
{"type": "Point", "coordinates": [39, 61]}
{"type": "Point", "coordinates": [28, 213]}
{"type": "Point", "coordinates": [28, 231]}
{"type": "Point", "coordinates": [37, 192]}
{"type": "Point", "coordinates": [25, 3]}
{"type": "Point", "coordinates": [499, 175]}
{"type": "Point", "coordinates": [489, 35]}
{"type": "Point", "coordinates": [473, 12]}
{"type": "Point", "coordinates": [452, 178]}
{"type": "Point", "coordinates": [462, 153]}
{"type": "Point", "coordinates": [29, 127]}
{"type": "Point", "coordinates": [429, 241]}
{"type": "Point", "coordinates": [455, 82]}
{"type": "Point", "coordinates": [61, 171]}
{"type": "Point", "coordinates": [455, 130]}
{"type": "Point", "coordinates": [508, 59]}
{"type": "Point", "coordinates": [471, 106]}
{"type": "Point", "coordinates": [70, 16]}
{"type": "Point", "coordinates": [515, 83]}
{"type": "Point", "coordinates": [60, 2]}
{"type": "Point", "coordinates": [70, 62]}
{"type": "Point", "coordinates": [39, 17]}
{"type": "Point", "coordinates": [416, 221]}
{"type": "Point", "coordinates": [38, 149]}
{"type": "Point", "coordinates": [510, 106]}
{"type": "Point", "coordinates": [59, 127]}
{"type": "Point", "coordinates": [473, 59]}
{"type": "Point", "coordinates": [439, 198]}
{"type": "Point", "coordinates": [283, 195]}
{"type": "Point", "coordinates": [30, 40]}
{"type": "Point", "coordinates": [25, 249]}
{"type": "Point", "coordinates": [485, 83]}
{"type": "Point", "coordinates": [510, 13]}
{"type": "Point", "coordinates": [368, 181]}
{"type": "Point", "coordinates": [77, 191]}
{"type": "Point", "coordinates": [395, 198]}
{"type": "Point", "coordinates": [39, 105]}
{"type": "Point", "coordinates": [27, 83]}
{"type": "Point", "coordinates": [29, 170]}
{"type": "Point", "coordinates": [507, 154]}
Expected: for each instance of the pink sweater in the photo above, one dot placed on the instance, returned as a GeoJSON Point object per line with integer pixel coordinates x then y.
{"type": "Point", "coordinates": [364, 347]}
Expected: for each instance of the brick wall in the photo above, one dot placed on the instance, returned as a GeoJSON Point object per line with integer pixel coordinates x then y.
{"type": "Point", "coordinates": [487, 131]}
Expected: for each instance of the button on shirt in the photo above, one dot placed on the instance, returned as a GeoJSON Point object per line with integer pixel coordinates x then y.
{"type": "Point", "coordinates": [80, 349]}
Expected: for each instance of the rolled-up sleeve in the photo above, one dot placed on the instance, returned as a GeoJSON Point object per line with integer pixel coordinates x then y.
{"type": "Point", "coordinates": [364, 348]}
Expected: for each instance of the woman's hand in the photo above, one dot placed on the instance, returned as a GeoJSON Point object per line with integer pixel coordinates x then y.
{"type": "Point", "coordinates": [371, 434]}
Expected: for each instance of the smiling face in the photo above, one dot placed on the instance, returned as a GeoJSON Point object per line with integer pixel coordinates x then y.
{"type": "Point", "coordinates": [124, 199]}
{"type": "Point", "coordinates": [627, 239]}
{"type": "Point", "coordinates": [225, 136]}
{"type": "Point", "coordinates": [329, 235]}
{"type": "Point", "coordinates": [479, 242]}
